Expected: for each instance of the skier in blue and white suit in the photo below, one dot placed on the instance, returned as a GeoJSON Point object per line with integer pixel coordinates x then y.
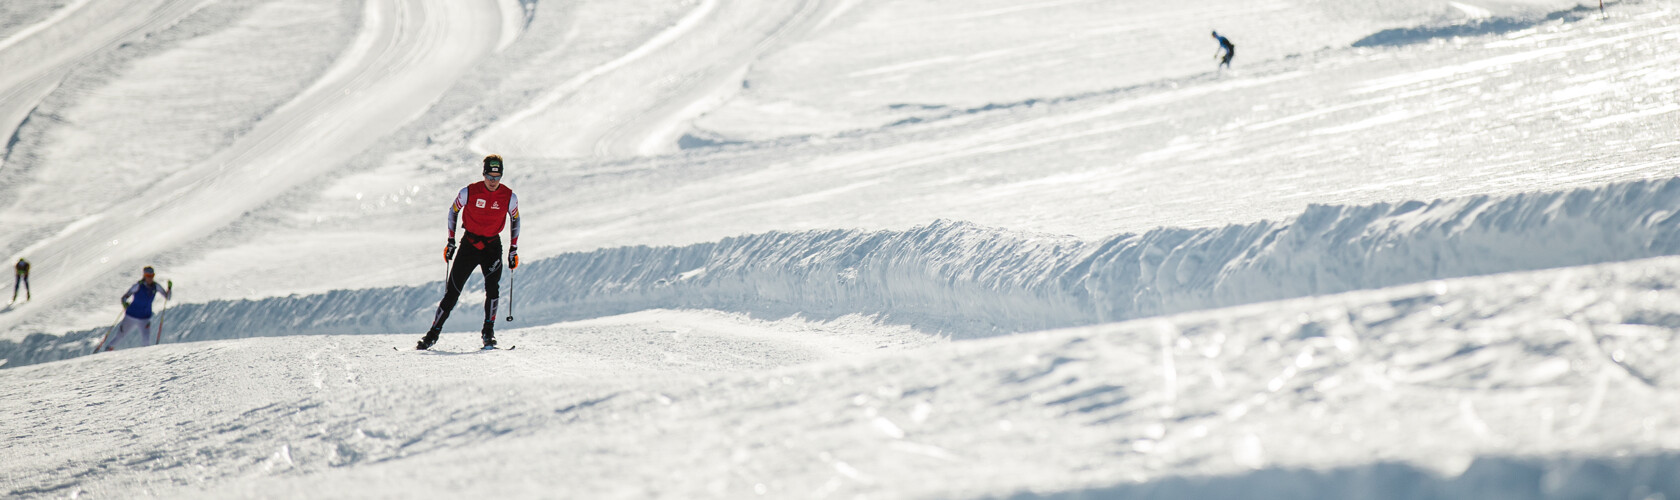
{"type": "Point", "coordinates": [138, 315]}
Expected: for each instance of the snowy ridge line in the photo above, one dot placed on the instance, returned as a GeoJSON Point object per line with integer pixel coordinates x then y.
{"type": "Point", "coordinates": [1395, 37]}
{"type": "Point", "coordinates": [967, 281]}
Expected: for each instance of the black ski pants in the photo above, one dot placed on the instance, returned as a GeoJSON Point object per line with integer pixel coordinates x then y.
{"type": "Point", "coordinates": [484, 253]}
{"type": "Point", "coordinates": [21, 279]}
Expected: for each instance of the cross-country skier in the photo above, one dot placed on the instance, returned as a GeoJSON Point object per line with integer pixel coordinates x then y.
{"type": "Point", "coordinates": [1226, 47]}
{"type": "Point", "coordinates": [138, 315]}
{"type": "Point", "coordinates": [484, 209]}
{"type": "Point", "coordinates": [21, 279]}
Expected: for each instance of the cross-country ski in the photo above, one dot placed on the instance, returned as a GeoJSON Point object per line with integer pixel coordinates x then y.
{"type": "Point", "coordinates": [485, 348]}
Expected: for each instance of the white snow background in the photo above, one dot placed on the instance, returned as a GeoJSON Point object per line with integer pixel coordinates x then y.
{"type": "Point", "coordinates": [849, 248]}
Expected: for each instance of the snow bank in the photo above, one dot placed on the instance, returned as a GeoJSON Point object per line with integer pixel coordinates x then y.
{"type": "Point", "coordinates": [1488, 477]}
{"type": "Point", "coordinates": [968, 281]}
{"type": "Point", "coordinates": [1473, 26]}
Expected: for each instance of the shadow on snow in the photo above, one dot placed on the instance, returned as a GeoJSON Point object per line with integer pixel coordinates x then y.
{"type": "Point", "coordinates": [1488, 478]}
{"type": "Point", "coordinates": [1493, 26]}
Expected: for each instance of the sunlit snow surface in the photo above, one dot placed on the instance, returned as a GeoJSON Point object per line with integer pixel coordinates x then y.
{"type": "Point", "coordinates": [818, 248]}
{"type": "Point", "coordinates": [1561, 367]}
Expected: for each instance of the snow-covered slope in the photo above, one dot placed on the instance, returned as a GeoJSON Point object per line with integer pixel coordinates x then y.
{"type": "Point", "coordinates": [1498, 114]}
{"type": "Point", "coordinates": [1403, 249]}
{"type": "Point", "coordinates": [843, 78]}
{"type": "Point", "coordinates": [391, 70]}
{"type": "Point", "coordinates": [1551, 384]}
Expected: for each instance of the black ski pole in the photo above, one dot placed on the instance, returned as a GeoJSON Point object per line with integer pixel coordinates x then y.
{"type": "Point", "coordinates": [510, 294]}
{"type": "Point", "coordinates": [160, 321]}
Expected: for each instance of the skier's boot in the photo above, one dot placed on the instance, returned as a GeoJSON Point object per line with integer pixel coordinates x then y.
{"type": "Point", "coordinates": [427, 341]}
{"type": "Point", "coordinates": [490, 335]}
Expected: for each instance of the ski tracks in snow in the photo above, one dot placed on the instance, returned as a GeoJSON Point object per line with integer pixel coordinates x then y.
{"type": "Point", "coordinates": [204, 413]}
{"type": "Point", "coordinates": [1429, 374]}
{"type": "Point", "coordinates": [642, 102]}
{"type": "Point", "coordinates": [407, 54]}
{"type": "Point", "coordinates": [73, 33]}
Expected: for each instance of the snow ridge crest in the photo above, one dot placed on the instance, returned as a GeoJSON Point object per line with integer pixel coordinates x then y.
{"type": "Point", "coordinates": [965, 280]}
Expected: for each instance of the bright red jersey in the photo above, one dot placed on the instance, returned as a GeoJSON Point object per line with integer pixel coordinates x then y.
{"type": "Point", "coordinates": [484, 212]}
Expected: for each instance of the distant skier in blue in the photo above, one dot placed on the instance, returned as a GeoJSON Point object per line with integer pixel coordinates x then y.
{"type": "Point", "coordinates": [138, 315]}
{"type": "Point", "coordinates": [1226, 47]}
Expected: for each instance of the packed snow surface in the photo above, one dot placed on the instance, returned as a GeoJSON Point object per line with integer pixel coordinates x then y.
{"type": "Point", "coordinates": [849, 248]}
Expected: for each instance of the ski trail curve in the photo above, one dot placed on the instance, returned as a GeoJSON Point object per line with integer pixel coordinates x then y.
{"type": "Point", "coordinates": [641, 102]}
{"type": "Point", "coordinates": [657, 130]}
{"type": "Point", "coordinates": [60, 15]}
{"type": "Point", "coordinates": [37, 58]}
{"type": "Point", "coordinates": [408, 54]}
{"type": "Point", "coordinates": [497, 137]}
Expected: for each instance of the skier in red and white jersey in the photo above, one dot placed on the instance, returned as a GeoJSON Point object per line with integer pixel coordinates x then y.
{"type": "Point", "coordinates": [484, 209]}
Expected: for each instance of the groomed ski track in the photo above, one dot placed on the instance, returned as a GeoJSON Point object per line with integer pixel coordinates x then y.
{"type": "Point", "coordinates": [1556, 384]}
{"type": "Point", "coordinates": [407, 53]}
{"type": "Point", "coordinates": [654, 90]}
{"type": "Point", "coordinates": [966, 281]}
{"type": "Point", "coordinates": [76, 31]}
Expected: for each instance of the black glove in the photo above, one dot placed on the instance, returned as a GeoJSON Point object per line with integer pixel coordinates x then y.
{"type": "Point", "coordinates": [513, 257]}
{"type": "Point", "coordinates": [449, 253]}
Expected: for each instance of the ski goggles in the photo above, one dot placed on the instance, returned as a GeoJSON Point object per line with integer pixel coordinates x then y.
{"type": "Point", "coordinates": [497, 177]}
